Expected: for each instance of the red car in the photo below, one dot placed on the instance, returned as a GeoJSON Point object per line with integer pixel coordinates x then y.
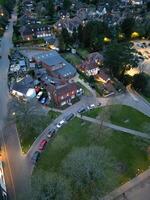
{"type": "Point", "coordinates": [42, 144]}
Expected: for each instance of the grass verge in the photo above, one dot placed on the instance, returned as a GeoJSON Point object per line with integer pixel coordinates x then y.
{"type": "Point", "coordinates": [30, 129]}
{"type": "Point", "coordinates": [123, 116]}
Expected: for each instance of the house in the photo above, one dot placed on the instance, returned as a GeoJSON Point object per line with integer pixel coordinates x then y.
{"type": "Point", "coordinates": [68, 23]}
{"type": "Point", "coordinates": [63, 94]}
{"type": "Point", "coordinates": [102, 77]}
{"type": "Point", "coordinates": [56, 65]}
{"type": "Point", "coordinates": [137, 2]}
{"type": "Point", "coordinates": [29, 32]}
{"type": "Point", "coordinates": [24, 88]}
{"type": "Point", "coordinates": [91, 65]}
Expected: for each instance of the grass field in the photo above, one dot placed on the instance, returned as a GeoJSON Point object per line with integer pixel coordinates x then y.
{"type": "Point", "coordinates": [123, 116]}
{"type": "Point", "coordinates": [35, 125]}
{"type": "Point", "coordinates": [83, 53]}
{"type": "Point", "coordinates": [130, 152]}
{"type": "Point", "coordinates": [72, 58]}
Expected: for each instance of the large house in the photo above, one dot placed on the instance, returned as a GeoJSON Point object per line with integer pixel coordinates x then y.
{"type": "Point", "coordinates": [24, 88]}
{"type": "Point", "coordinates": [33, 32]}
{"type": "Point", "coordinates": [91, 65]}
{"type": "Point", "coordinates": [63, 94]}
{"type": "Point", "coordinates": [68, 23]}
{"type": "Point", "coordinates": [56, 65]}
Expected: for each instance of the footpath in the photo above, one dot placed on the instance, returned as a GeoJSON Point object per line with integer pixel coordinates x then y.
{"type": "Point", "coordinates": [131, 187]}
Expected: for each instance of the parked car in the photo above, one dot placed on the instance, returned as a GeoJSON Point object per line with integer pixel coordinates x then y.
{"type": "Point", "coordinates": [51, 133]}
{"type": "Point", "coordinates": [81, 110]}
{"type": "Point", "coordinates": [35, 157]}
{"type": "Point", "coordinates": [91, 106]}
{"type": "Point", "coordinates": [42, 144]}
{"type": "Point", "coordinates": [39, 95]}
{"type": "Point", "coordinates": [43, 100]}
{"type": "Point", "coordinates": [69, 117]}
{"type": "Point", "coordinates": [60, 124]}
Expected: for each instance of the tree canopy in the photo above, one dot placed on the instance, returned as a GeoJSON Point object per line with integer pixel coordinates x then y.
{"type": "Point", "coordinates": [89, 168]}
{"type": "Point", "coordinates": [48, 186]}
{"type": "Point", "coordinates": [120, 57]}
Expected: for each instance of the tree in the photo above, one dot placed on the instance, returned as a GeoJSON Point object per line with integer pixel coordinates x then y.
{"type": "Point", "coordinates": [127, 79]}
{"type": "Point", "coordinates": [74, 36]}
{"type": "Point", "coordinates": [31, 72]}
{"type": "Point", "coordinates": [50, 6]}
{"type": "Point", "coordinates": [66, 4]}
{"type": "Point", "coordinates": [139, 82]}
{"type": "Point", "coordinates": [48, 186]}
{"type": "Point", "coordinates": [127, 27]}
{"type": "Point", "coordinates": [148, 6]}
{"type": "Point", "coordinates": [92, 34]}
{"type": "Point", "coordinates": [62, 45]}
{"type": "Point", "coordinates": [120, 57]}
{"type": "Point", "coordinates": [89, 168]}
{"type": "Point", "coordinates": [65, 36]}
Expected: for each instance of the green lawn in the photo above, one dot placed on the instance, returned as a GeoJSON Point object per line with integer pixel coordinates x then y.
{"type": "Point", "coordinates": [123, 116]}
{"type": "Point", "coordinates": [83, 53]}
{"type": "Point", "coordinates": [130, 152]}
{"type": "Point", "coordinates": [72, 58]}
{"type": "Point", "coordinates": [30, 130]}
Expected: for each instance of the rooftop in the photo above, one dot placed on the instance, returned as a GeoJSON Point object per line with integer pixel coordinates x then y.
{"type": "Point", "coordinates": [56, 63]}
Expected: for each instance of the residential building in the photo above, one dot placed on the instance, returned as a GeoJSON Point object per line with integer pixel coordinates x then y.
{"type": "Point", "coordinates": [33, 32]}
{"type": "Point", "coordinates": [56, 65]}
{"type": "Point", "coordinates": [92, 64]}
{"type": "Point", "coordinates": [24, 88]}
{"type": "Point", "coordinates": [3, 191]}
{"type": "Point", "coordinates": [63, 94]}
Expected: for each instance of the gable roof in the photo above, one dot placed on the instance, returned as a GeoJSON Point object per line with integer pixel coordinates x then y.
{"type": "Point", "coordinates": [23, 85]}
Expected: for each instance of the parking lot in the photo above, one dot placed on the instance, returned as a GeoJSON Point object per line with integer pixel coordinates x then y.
{"type": "Point", "coordinates": [144, 48]}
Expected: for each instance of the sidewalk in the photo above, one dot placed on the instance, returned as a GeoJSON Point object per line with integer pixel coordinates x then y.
{"type": "Point", "coordinates": [130, 187]}
{"type": "Point", "coordinates": [116, 127]}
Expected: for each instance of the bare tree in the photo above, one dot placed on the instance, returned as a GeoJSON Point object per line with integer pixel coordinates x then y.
{"type": "Point", "coordinates": [91, 169]}
{"type": "Point", "coordinates": [48, 186]}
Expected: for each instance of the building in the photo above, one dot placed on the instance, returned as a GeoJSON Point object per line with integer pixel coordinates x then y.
{"type": "Point", "coordinates": [56, 65]}
{"type": "Point", "coordinates": [33, 32]}
{"type": "Point", "coordinates": [24, 88]}
{"type": "Point", "coordinates": [3, 191]}
{"type": "Point", "coordinates": [91, 65]}
{"type": "Point", "coordinates": [63, 94]}
{"type": "Point", "coordinates": [70, 24]}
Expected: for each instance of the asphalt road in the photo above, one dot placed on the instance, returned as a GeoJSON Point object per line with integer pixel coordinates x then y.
{"type": "Point", "coordinates": [13, 161]}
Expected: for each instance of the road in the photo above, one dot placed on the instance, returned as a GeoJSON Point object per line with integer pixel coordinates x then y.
{"type": "Point", "coordinates": [14, 162]}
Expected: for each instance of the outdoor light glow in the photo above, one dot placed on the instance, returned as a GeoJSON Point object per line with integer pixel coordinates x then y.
{"type": "Point", "coordinates": [106, 39]}
{"type": "Point", "coordinates": [135, 35]}
{"type": "Point", "coordinates": [133, 71]}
